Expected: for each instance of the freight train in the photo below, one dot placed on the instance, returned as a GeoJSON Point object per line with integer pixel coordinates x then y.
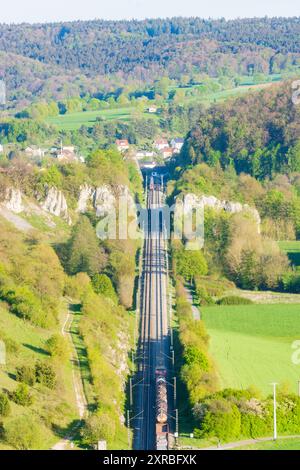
{"type": "Point", "coordinates": [162, 427]}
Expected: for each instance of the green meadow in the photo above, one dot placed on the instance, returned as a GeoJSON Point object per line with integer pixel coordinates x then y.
{"type": "Point", "coordinates": [252, 344]}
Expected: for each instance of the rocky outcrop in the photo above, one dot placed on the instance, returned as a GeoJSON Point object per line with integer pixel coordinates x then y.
{"type": "Point", "coordinates": [85, 195]}
{"type": "Point", "coordinates": [56, 204]}
{"type": "Point", "coordinates": [191, 201]}
{"type": "Point", "coordinates": [103, 199]}
{"type": "Point", "coordinates": [13, 200]}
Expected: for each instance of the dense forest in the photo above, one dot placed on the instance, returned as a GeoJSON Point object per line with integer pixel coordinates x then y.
{"type": "Point", "coordinates": [83, 54]}
{"type": "Point", "coordinates": [258, 134]}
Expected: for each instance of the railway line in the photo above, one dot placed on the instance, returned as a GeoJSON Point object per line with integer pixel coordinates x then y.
{"type": "Point", "coordinates": [151, 398]}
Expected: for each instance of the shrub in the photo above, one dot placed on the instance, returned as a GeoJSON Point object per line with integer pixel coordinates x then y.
{"type": "Point", "coordinates": [57, 346]}
{"type": "Point", "coordinates": [234, 300]}
{"type": "Point", "coordinates": [25, 374]}
{"type": "Point", "coordinates": [45, 374]}
{"type": "Point", "coordinates": [98, 427]}
{"type": "Point", "coordinates": [221, 420]}
{"type": "Point", "coordinates": [103, 285]}
{"type": "Point", "coordinates": [22, 396]}
{"type": "Point", "coordinates": [4, 405]}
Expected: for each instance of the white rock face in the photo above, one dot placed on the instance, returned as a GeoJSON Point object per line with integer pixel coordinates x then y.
{"type": "Point", "coordinates": [56, 204]}
{"type": "Point", "coordinates": [191, 201]}
{"type": "Point", "coordinates": [86, 194]}
{"type": "Point", "coordinates": [13, 200]}
{"type": "Point", "coordinates": [104, 199]}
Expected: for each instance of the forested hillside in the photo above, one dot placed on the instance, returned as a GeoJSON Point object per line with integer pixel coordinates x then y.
{"type": "Point", "coordinates": [137, 53]}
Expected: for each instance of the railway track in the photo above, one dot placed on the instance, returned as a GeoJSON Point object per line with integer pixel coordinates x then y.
{"type": "Point", "coordinates": [154, 345]}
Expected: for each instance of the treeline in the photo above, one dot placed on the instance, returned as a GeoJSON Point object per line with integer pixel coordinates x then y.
{"type": "Point", "coordinates": [231, 414]}
{"type": "Point", "coordinates": [110, 46]}
{"type": "Point", "coordinates": [53, 61]}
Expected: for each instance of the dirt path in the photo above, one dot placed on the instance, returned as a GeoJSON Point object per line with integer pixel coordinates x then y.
{"type": "Point", "coordinates": [80, 397]}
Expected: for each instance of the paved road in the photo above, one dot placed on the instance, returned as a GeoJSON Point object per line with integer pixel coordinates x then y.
{"type": "Point", "coordinates": [154, 343]}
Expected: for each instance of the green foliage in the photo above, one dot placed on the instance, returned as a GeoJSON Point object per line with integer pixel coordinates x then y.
{"type": "Point", "coordinates": [23, 433]}
{"type": "Point", "coordinates": [103, 285]}
{"type": "Point", "coordinates": [57, 346]}
{"type": "Point", "coordinates": [189, 263]}
{"type": "Point", "coordinates": [26, 374]}
{"type": "Point", "coordinates": [100, 426]}
{"type": "Point", "coordinates": [45, 374]}
{"type": "Point", "coordinates": [4, 405]}
{"type": "Point", "coordinates": [84, 252]}
{"type": "Point", "coordinates": [234, 300]}
{"type": "Point", "coordinates": [22, 396]}
{"type": "Point", "coordinates": [221, 420]}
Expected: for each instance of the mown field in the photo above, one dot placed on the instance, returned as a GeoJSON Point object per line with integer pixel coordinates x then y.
{"type": "Point", "coordinates": [252, 345]}
{"type": "Point", "coordinates": [73, 121]}
{"type": "Point", "coordinates": [280, 444]}
{"type": "Point", "coordinates": [292, 249]}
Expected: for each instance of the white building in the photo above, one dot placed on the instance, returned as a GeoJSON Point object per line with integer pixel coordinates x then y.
{"type": "Point", "coordinates": [177, 144]}
{"type": "Point", "coordinates": [161, 144]}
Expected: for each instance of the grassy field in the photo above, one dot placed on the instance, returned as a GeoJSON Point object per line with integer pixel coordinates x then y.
{"type": "Point", "coordinates": [57, 405]}
{"type": "Point", "coordinates": [252, 345]}
{"type": "Point", "coordinates": [74, 121]}
{"type": "Point", "coordinates": [280, 444]}
{"type": "Point", "coordinates": [292, 249]}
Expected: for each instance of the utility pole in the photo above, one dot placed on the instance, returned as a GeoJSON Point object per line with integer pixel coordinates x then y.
{"type": "Point", "coordinates": [130, 391]}
{"type": "Point", "coordinates": [175, 391]}
{"type": "Point", "coordinates": [177, 426]}
{"type": "Point", "coordinates": [274, 407]}
{"type": "Point", "coordinates": [128, 428]}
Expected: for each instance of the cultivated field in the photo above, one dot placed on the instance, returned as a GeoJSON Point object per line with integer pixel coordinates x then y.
{"type": "Point", "coordinates": [252, 344]}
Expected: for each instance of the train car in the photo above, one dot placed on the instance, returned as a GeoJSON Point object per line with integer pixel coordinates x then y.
{"type": "Point", "coordinates": [161, 396]}
{"type": "Point", "coordinates": [162, 433]}
{"type": "Point", "coordinates": [162, 429]}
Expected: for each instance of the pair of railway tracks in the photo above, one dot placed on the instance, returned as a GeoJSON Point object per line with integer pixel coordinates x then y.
{"type": "Point", "coordinates": [152, 399]}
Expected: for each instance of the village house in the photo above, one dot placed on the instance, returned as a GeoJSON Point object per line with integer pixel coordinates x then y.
{"type": "Point", "coordinates": [122, 145]}
{"type": "Point", "coordinates": [161, 144]}
{"type": "Point", "coordinates": [167, 152]}
{"type": "Point", "coordinates": [1, 148]}
{"type": "Point", "coordinates": [177, 144]}
{"type": "Point", "coordinates": [34, 151]}
{"type": "Point", "coordinates": [152, 109]}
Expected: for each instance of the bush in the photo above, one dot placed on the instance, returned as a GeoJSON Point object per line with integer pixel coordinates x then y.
{"type": "Point", "coordinates": [25, 374]}
{"type": "Point", "coordinates": [4, 405]}
{"type": "Point", "coordinates": [234, 300]}
{"type": "Point", "coordinates": [45, 374]}
{"type": "Point", "coordinates": [98, 427]}
{"type": "Point", "coordinates": [103, 285]}
{"type": "Point", "coordinates": [221, 420]}
{"type": "Point", "coordinates": [23, 433]}
{"type": "Point", "coordinates": [57, 346]}
{"type": "Point", "coordinates": [21, 396]}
